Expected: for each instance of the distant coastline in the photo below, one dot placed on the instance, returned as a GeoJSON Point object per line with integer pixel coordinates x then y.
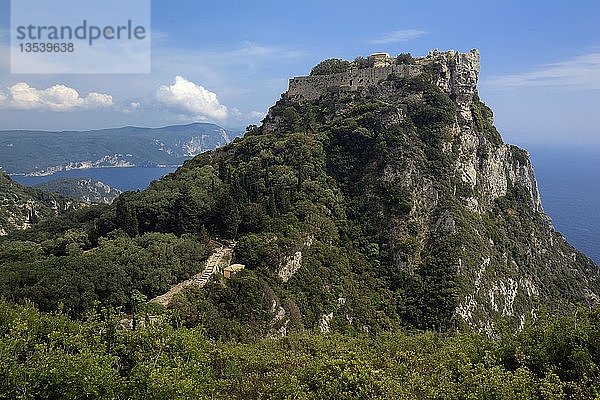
{"type": "Point", "coordinates": [41, 153]}
{"type": "Point", "coordinates": [67, 168]}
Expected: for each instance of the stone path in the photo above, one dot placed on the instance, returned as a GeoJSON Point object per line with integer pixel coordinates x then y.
{"type": "Point", "coordinates": [215, 263]}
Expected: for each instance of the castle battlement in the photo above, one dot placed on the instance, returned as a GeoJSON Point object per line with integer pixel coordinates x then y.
{"type": "Point", "coordinates": [314, 86]}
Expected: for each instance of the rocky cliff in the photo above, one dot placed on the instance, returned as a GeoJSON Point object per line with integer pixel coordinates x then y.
{"type": "Point", "coordinates": [87, 190]}
{"type": "Point", "coordinates": [483, 197]}
{"type": "Point", "coordinates": [21, 207]}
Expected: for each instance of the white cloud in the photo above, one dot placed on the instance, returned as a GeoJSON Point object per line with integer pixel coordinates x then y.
{"type": "Point", "coordinates": [582, 72]}
{"type": "Point", "coordinates": [191, 100]}
{"type": "Point", "coordinates": [251, 116]}
{"type": "Point", "coordinates": [256, 115]}
{"type": "Point", "coordinates": [132, 107]}
{"type": "Point", "coordinates": [21, 96]}
{"type": "Point", "coordinates": [399, 36]}
{"type": "Point", "coordinates": [255, 50]}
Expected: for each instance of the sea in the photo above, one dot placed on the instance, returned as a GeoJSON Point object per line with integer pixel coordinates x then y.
{"type": "Point", "coordinates": [568, 178]}
{"type": "Point", "coordinates": [569, 183]}
{"type": "Point", "coordinates": [125, 179]}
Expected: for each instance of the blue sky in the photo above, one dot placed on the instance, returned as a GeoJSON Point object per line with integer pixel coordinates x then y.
{"type": "Point", "coordinates": [540, 62]}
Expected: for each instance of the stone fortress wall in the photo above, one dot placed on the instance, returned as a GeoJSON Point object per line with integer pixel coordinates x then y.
{"type": "Point", "coordinates": [313, 87]}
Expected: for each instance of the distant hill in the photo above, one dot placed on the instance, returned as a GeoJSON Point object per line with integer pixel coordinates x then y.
{"type": "Point", "coordinates": [22, 207]}
{"type": "Point", "coordinates": [85, 189]}
{"type": "Point", "coordinates": [45, 152]}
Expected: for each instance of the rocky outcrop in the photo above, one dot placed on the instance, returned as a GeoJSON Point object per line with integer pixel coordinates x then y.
{"type": "Point", "coordinates": [383, 202]}
{"type": "Point", "coordinates": [290, 266]}
{"type": "Point", "coordinates": [456, 74]}
{"type": "Point", "coordinates": [509, 258]}
{"type": "Point", "coordinates": [324, 323]}
{"type": "Point", "coordinates": [83, 189]}
{"type": "Point", "coordinates": [22, 207]}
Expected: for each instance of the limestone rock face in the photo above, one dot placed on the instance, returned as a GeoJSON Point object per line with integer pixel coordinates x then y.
{"type": "Point", "coordinates": [291, 265]}
{"type": "Point", "coordinates": [503, 166]}
{"type": "Point", "coordinates": [84, 189]}
{"type": "Point", "coordinates": [457, 75]}
{"type": "Point", "coordinates": [22, 207]}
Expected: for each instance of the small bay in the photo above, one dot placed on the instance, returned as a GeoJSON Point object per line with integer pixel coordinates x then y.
{"type": "Point", "coordinates": [125, 179]}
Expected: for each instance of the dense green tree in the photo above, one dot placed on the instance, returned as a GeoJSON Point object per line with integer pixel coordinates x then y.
{"type": "Point", "coordinates": [186, 211]}
{"type": "Point", "coordinates": [126, 215]}
{"type": "Point", "coordinates": [362, 62]}
{"type": "Point", "coordinates": [404, 58]}
{"type": "Point", "coordinates": [330, 66]}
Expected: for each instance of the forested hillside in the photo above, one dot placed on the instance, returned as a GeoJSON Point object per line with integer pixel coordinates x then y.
{"type": "Point", "coordinates": [394, 205]}
{"type": "Point", "coordinates": [391, 246]}
{"type": "Point", "coordinates": [23, 207]}
{"type": "Point", "coordinates": [84, 189]}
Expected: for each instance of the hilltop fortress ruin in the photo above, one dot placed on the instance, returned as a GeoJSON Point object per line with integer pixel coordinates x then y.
{"type": "Point", "coordinates": [456, 73]}
{"type": "Point", "coordinates": [314, 86]}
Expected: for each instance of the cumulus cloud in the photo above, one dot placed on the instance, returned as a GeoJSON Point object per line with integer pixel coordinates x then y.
{"type": "Point", "coordinates": [582, 71]}
{"type": "Point", "coordinates": [191, 100]}
{"type": "Point", "coordinates": [399, 36]}
{"type": "Point", "coordinates": [21, 96]}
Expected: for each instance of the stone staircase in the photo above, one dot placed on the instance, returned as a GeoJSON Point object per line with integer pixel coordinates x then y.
{"type": "Point", "coordinates": [218, 260]}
